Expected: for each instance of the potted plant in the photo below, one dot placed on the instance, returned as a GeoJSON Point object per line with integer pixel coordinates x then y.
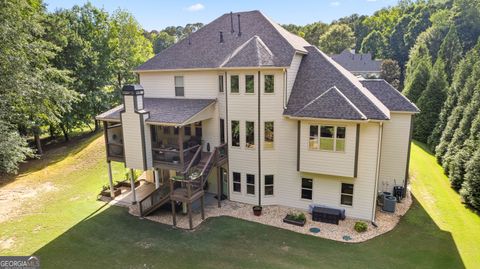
{"type": "Point", "coordinates": [106, 191]}
{"type": "Point", "coordinates": [295, 219]}
{"type": "Point", "coordinates": [257, 210]}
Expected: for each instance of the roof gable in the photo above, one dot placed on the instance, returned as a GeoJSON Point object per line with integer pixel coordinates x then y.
{"type": "Point", "coordinates": [252, 53]}
{"type": "Point", "coordinates": [317, 74]}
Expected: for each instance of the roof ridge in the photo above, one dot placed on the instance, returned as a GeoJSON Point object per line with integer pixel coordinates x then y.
{"type": "Point", "coordinates": [356, 82]}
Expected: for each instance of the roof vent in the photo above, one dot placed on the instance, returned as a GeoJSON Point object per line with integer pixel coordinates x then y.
{"type": "Point", "coordinates": [239, 30]}
{"type": "Point", "coordinates": [221, 37]}
{"type": "Point", "coordinates": [231, 22]}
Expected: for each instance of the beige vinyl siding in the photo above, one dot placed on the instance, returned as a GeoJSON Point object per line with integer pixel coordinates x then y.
{"type": "Point", "coordinates": [292, 73]}
{"type": "Point", "coordinates": [396, 135]}
{"type": "Point", "coordinates": [328, 162]}
{"type": "Point", "coordinates": [132, 135]}
{"type": "Point", "coordinates": [197, 84]}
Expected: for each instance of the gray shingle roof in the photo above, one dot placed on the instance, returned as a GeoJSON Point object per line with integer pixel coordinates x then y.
{"type": "Point", "coordinates": [253, 53]}
{"type": "Point", "coordinates": [202, 49]}
{"type": "Point", "coordinates": [357, 62]}
{"type": "Point", "coordinates": [164, 110]}
{"type": "Point", "coordinates": [389, 96]}
{"type": "Point", "coordinates": [317, 74]}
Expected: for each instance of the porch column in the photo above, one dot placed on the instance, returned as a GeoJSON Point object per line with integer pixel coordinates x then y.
{"type": "Point", "coordinates": [110, 179]}
{"type": "Point", "coordinates": [219, 187]}
{"type": "Point", "coordinates": [157, 178]}
{"type": "Point", "coordinates": [132, 185]}
{"type": "Point", "coordinates": [181, 133]}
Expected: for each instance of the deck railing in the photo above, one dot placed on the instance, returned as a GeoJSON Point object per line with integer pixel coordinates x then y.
{"type": "Point", "coordinates": [172, 155]}
{"type": "Point", "coordinates": [153, 200]}
{"type": "Point", "coordinates": [115, 150]}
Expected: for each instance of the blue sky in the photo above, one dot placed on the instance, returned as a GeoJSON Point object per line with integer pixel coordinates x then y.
{"type": "Point", "coordinates": [157, 14]}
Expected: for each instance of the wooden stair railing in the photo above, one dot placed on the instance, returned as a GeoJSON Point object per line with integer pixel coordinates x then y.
{"type": "Point", "coordinates": [154, 200]}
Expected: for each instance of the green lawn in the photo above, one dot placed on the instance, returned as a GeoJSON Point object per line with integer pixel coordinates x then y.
{"type": "Point", "coordinates": [68, 228]}
{"type": "Point", "coordinates": [432, 189]}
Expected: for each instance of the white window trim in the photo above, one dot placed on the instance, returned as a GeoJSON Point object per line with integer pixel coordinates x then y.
{"type": "Point", "coordinates": [175, 85]}
{"type": "Point", "coordinates": [319, 126]}
{"type": "Point", "coordinates": [254, 86]}
{"type": "Point", "coordinates": [234, 182]}
{"type": "Point", "coordinates": [301, 188]}
{"type": "Point", "coordinates": [250, 184]}
{"type": "Point", "coordinates": [273, 143]}
{"type": "Point", "coordinates": [239, 135]}
{"type": "Point", "coordinates": [230, 85]}
{"type": "Point", "coordinates": [265, 185]}
{"type": "Point", "coordinates": [263, 84]}
{"type": "Point", "coordinates": [254, 140]}
{"type": "Point", "coordinates": [341, 193]}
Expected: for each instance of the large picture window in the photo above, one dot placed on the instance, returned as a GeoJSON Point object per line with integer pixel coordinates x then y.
{"type": "Point", "coordinates": [179, 87]}
{"type": "Point", "coordinates": [268, 185]}
{"type": "Point", "coordinates": [249, 84]}
{"type": "Point", "coordinates": [250, 184]}
{"type": "Point", "coordinates": [307, 188]}
{"type": "Point", "coordinates": [235, 133]}
{"type": "Point", "coordinates": [327, 137]}
{"type": "Point", "coordinates": [234, 84]}
{"type": "Point", "coordinates": [237, 182]}
{"type": "Point", "coordinates": [269, 135]}
{"type": "Point", "coordinates": [250, 134]}
{"type": "Point", "coordinates": [269, 84]}
{"type": "Point", "coordinates": [346, 197]}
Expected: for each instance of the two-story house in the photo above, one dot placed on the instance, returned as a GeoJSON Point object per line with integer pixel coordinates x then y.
{"type": "Point", "coordinates": [244, 109]}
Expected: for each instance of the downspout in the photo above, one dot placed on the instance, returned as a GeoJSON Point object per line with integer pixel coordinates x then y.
{"type": "Point", "coordinates": [225, 91]}
{"type": "Point", "coordinates": [377, 170]}
{"type": "Point", "coordinates": [259, 148]}
{"type": "Point", "coordinates": [285, 88]}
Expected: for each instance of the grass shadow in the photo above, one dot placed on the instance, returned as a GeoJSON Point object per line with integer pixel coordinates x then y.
{"type": "Point", "coordinates": [115, 239]}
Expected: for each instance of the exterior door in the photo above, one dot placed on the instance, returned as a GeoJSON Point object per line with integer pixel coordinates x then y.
{"type": "Point", "coordinates": [224, 181]}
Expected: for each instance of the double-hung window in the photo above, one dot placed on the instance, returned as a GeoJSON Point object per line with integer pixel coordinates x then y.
{"type": "Point", "coordinates": [237, 182]}
{"type": "Point", "coordinates": [346, 196]}
{"type": "Point", "coordinates": [250, 184]}
{"type": "Point", "coordinates": [268, 185]}
{"type": "Point", "coordinates": [307, 188]}
{"type": "Point", "coordinates": [327, 137]}
{"type": "Point", "coordinates": [179, 87]}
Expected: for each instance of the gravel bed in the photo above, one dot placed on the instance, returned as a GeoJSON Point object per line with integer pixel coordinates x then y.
{"type": "Point", "coordinates": [273, 216]}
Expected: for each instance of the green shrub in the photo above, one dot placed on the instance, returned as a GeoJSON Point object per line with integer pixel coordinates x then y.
{"type": "Point", "coordinates": [360, 226]}
{"type": "Point", "coordinates": [296, 217]}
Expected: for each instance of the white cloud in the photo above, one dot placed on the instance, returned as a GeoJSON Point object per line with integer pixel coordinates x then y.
{"type": "Point", "coordinates": [335, 4]}
{"type": "Point", "coordinates": [196, 7]}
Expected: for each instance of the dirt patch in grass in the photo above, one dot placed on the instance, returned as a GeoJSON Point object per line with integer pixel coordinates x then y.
{"type": "Point", "coordinates": [7, 243]}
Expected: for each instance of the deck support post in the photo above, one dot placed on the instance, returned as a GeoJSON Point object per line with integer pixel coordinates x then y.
{"type": "Point", "coordinates": [202, 202]}
{"type": "Point", "coordinates": [110, 179]}
{"type": "Point", "coordinates": [189, 208]}
{"type": "Point", "coordinates": [157, 178]}
{"type": "Point", "coordinates": [132, 186]}
{"type": "Point", "coordinates": [181, 133]}
{"type": "Point", "coordinates": [219, 187]}
{"type": "Point", "coordinates": [174, 213]}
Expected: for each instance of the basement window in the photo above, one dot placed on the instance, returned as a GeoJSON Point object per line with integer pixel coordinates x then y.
{"type": "Point", "coordinates": [237, 182]}
{"type": "Point", "coordinates": [250, 184]}
{"type": "Point", "coordinates": [307, 188]}
{"type": "Point", "coordinates": [346, 197]}
{"type": "Point", "coordinates": [268, 185]}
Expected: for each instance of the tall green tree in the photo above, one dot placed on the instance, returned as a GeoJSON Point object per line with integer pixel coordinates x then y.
{"type": "Point", "coordinates": [451, 52]}
{"type": "Point", "coordinates": [466, 15]}
{"type": "Point", "coordinates": [391, 73]}
{"type": "Point", "coordinates": [417, 73]}
{"type": "Point", "coordinates": [162, 41]}
{"type": "Point", "coordinates": [338, 38]}
{"type": "Point", "coordinates": [33, 91]}
{"type": "Point", "coordinates": [471, 187]}
{"type": "Point", "coordinates": [128, 46]}
{"type": "Point", "coordinates": [430, 102]}
{"type": "Point", "coordinates": [374, 43]}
